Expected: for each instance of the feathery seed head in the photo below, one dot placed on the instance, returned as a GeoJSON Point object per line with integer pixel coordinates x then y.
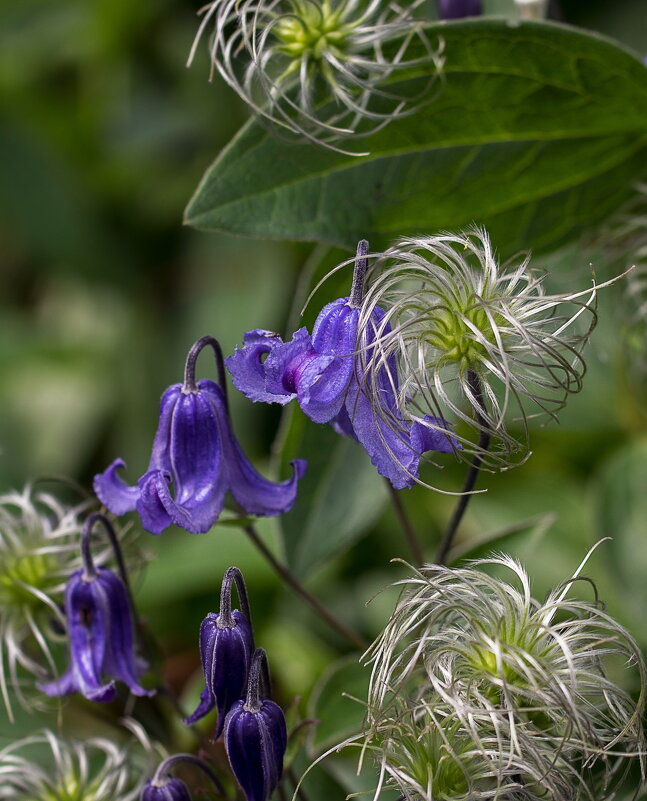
{"type": "Point", "coordinates": [316, 67]}
{"type": "Point", "coordinates": [44, 767]}
{"type": "Point", "coordinates": [522, 686]}
{"type": "Point", "coordinates": [473, 339]}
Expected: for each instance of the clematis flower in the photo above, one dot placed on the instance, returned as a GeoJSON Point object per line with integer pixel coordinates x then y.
{"type": "Point", "coordinates": [256, 736]}
{"type": "Point", "coordinates": [226, 648]}
{"type": "Point", "coordinates": [100, 633]}
{"type": "Point", "coordinates": [196, 453]}
{"type": "Point", "coordinates": [327, 374]}
{"type": "Point", "coordinates": [457, 9]}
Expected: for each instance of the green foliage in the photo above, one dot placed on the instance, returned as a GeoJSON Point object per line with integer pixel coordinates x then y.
{"type": "Point", "coordinates": [536, 132]}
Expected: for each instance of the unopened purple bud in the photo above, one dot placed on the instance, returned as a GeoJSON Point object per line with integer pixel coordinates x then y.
{"type": "Point", "coordinates": [168, 790]}
{"type": "Point", "coordinates": [256, 737]}
{"type": "Point", "coordinates": [457, 9]}
{"type": "Point", "coordinates": [226, 648]}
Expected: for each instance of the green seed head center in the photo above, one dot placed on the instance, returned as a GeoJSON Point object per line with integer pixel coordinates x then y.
{"type": "Point", "coordinates": [312, 32]}
{"type": "Point", "coordinates": [463, 334]}
{"type": "Point", "coordinates": [32, 570]}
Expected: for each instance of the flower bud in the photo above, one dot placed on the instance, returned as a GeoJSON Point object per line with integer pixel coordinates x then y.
{"type": "Point", "coordinates": [226, 647]}
{"type": "Point", "coordinates": [256, 737]}
{"type": "Point", "coordinates": [169, 790]}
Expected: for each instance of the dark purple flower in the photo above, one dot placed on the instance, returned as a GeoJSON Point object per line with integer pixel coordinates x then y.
{"type": "Point", "coordinates": [457, 9]}
{"type": "Point", "coordinates": [100, 638]}
{"type": "Point", "coordinates": [166, 790]}
{"type": "Point", "coordinates": [326, 375]}
{"type": "Point", "coordinates": [226, 648]}
{"type": "Point", "coordinates": [256, 737]}
{"type": "Point", "coordinates": [163, 787]}
{"type": "Point", "coordinates": [196, 453]}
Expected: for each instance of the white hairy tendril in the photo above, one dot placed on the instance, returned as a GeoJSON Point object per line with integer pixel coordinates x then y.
{"type": "Point", "coordinates": [46, 767]}
{"type": "Point", "coordinates": [319, 68]}
{"type": "Point", "coordinates": [452, 314]}
{"type": "Point", "coordinates": [39, 550]}
{"type": "Point", "coordinates": [517, 690]}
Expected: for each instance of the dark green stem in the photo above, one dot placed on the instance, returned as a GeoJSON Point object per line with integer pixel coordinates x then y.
{"type": "Point", "coordinates": [294, 584]}
{"type": "Point", "coordinates": [473, 472]}
{"type": "Point", "coordinates": [191, 359]}
{"type": "Point", "coordinates": [406, 525]}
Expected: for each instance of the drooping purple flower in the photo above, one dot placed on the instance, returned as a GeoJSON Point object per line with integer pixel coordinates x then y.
{"type": "Point", "coordinates": [163, 787]}
{"type": "Point", "coordinates": [457, 9]}
{"type": "Point", "coordinates": [196, 453]}
{"type": "Point", "coordinates": [327, 376]}
{"type": "Point", "coordinates": [100, 639]}
{"type": "Point", "coordinates": [256, 737]}
{"type": "Point", "coordinates": [226, 648]}
{"type": "Point", "coordinates": [168, 790]}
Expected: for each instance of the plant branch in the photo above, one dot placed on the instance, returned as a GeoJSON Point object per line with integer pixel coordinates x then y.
{"type": "Point", "coordinates": [472, 473]}
{"type": "Point", "coordinates": [405, 523]}
{"type": "Point", "coordinates": [293, 583]}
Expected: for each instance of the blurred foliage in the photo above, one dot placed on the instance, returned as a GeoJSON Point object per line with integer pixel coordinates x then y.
{"type": "Point", "coordinates": [103, 137]}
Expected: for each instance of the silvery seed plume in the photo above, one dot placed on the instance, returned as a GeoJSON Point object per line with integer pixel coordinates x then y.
{"type": "Point", "coordinates": [46, 767]}
{"type": "Point", "coordinates": [39, 550]}
{"type": "Point", "coordinates": [317, 68]}
{"type": "Point", "coordinates": [478, 344]}
{"type": "Point", "coordinates": [524, 683]}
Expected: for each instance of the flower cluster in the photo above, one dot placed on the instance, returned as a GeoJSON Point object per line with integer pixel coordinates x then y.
{"type": "Point", "coordinates": [480, 691]}
{"type": "Point", "coordinates": [237, 682]}
{"type": "Point", "coordinates": [473, 340]}
{"type": "Point", "coordinates": [327, 374]}
{"type": "Point", "coordinates": [318, 68]}
{"type": "Point", "coordinates": [197, 454]}
{"type": "Point", "coordinates": [40, 547]}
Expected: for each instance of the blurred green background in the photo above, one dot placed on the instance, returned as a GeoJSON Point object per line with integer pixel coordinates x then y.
{"type": "Point", "coordinates": [104, 135]}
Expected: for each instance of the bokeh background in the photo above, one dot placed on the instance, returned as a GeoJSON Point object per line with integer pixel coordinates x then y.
{"type": "Point", "coordinates": [104, 136]}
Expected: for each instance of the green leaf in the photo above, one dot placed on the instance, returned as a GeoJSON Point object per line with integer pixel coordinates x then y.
{"type": "Point", "coordinates": [621, 513]}
{"type": "Point", "coordinates": [340, 496]}
{"type": "Point", "coordinates": [537, 132]}
{"type": "Point", "coordinates": [333, 703]}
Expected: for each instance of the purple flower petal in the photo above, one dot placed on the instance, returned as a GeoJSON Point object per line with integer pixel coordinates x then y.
{"type": "Point", "coordinates": [169, 790]}
{"type": "Point", "coordinates": [248, 369]}
{"type": "Point", "coordinates": [456, 9]}
{"type": "Point", "coordinates": [113, 493]}
{"type": "Point", "coordinates": [433, 434]}
{"type": "Point", "coordinates": [255, 743]}
{"type": "Point", "coordinates": [120, 660]}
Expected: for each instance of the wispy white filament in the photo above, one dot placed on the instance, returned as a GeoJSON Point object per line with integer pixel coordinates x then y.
{"type": "Point", "coordinates": [317, 68]}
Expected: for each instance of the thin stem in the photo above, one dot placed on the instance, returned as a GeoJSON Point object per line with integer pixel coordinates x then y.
{"type": "Point", "coordinates": [295, 782]}
{"type": "Point", "coordinates": [294, 584]}
{"type": "Point", "coordinates": [233, 575]}
{"type": "Point", "coordinates": [163, 770]}
{"type": "Point", "coordinates": [259, 683]}
{"type": "Point", "coordinates": [474, 383]}
{"type": "Point", "coordinates": [192, 357]}
{"type": "Point", "coordinates": [359, 273]}
{"type": "Point", "coordinates": [406, 524]}
{"type": "Point", "coordinates": [89, 568]}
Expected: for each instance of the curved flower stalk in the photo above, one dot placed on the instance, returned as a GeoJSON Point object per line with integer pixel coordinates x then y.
{"type": "Point", "coordinates": [317, 68]}
{"type": "Point", "coordinates": [522, 682]}
{"type": "Point", "coordinates": [475, 342]}
{"type": "Point", "coordinates": [196, 453]}
{"type": "Point", "coordinates": [40, 546]}
{"type": "Point", "coordinates": [327, 374]}
{"type": "Point", "coordinates": [45, 767]}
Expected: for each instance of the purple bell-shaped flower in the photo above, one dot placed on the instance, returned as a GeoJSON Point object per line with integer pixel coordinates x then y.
{"type": "Point", "coordinates": [457, 9]}
{"type": "Point", "coordinates": [256, 736]}
{"type": "Point", "coordinates": [196, 453]}
{"type": "Point", "coordinates": [164, 787]}
{"type": "Point", "coordinates": [328, 376]}
{"type": "Point", "coordinates": [100, 631]}
{"type": "Point", "coordinates": [226, 648]}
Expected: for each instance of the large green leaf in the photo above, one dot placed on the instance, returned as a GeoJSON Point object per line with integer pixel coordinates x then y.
{"type": "Point", "coordinates": [536, 131]}
{"type": "Point", "coordinates": [340, 496]}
